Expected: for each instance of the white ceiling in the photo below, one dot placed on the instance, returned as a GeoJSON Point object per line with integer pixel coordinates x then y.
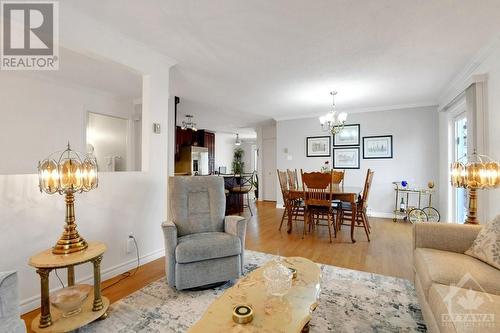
{"type": "Point", "coordinates": [260, 59]}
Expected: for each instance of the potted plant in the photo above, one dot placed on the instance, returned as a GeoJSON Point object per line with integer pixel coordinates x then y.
{"type": "Point", "coordinates": [238, 164]}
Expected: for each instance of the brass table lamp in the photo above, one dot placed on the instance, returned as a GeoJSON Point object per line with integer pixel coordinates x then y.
{"type": "Point", "coordinates": [479, 172]}
{"type": "Point", "coordinates": [67, 173]}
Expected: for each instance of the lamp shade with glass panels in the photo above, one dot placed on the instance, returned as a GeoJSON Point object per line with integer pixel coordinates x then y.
{"type": "Point", "coordinates": [68, 173]}
{"type": "Point", "coordinates": [478, 172]}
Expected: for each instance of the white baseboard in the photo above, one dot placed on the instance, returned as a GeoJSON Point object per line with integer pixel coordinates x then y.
{"type": "Point", "coordinates": [32, 303]}
{"type": "Point", "coordinates": [380, 214]}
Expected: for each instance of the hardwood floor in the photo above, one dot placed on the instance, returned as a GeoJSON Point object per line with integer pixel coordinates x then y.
{"type": "Point", "coordinates": [389, 252]}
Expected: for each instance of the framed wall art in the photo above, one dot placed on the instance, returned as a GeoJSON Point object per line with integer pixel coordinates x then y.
{"type": "Point", "coordinates": [377, 147]}
{"type": "Point", "coordinates": [349, 136]}
{"type": "Point", "coordinates": [346, 158]}
{"type": "Point", "coordinates": [318, 146]}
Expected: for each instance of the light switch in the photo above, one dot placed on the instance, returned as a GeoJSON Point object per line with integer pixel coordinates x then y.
{"type": "Point", "coordinates": [156, 128]}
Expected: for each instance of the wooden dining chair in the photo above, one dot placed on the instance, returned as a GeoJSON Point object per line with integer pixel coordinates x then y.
{"type": "Point", "coordinates": [338, 177]}
{"type": "Point", "coordinates": [295, 206]}
{"type": "Point", "coordinates": [282, 178]}
{"type": "Point", "coordinates": [317, 199]}
{"type": "Point", "coordinates": [345, 209]}
{"type": "Point", "coordinates": [293, 179]}
{"type": "Point", "coordinates": [337, 180]}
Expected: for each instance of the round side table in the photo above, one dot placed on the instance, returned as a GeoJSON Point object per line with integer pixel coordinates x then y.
{"type": "Point", "coordinates": [51, 319]}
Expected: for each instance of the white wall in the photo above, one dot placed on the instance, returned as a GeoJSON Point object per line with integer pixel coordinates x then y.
{"type": "Point", "coordinates": [248, 159]}
{"type": "Point", "coordinates": [266, 142]}
{"type": "Point", "coordinates": [487, 64]}
{"type": "Point", "coordinates": [127, 202]}
{"type": "Point", "coordinates": [415, 151]}
{"type": "Point", "coordinates": [224, 147]}
{"type": "Point", "coordinates": [51, 112]}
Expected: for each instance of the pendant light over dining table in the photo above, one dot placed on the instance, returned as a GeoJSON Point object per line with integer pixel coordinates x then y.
{"type": "Point", "coordinates": [333, 121]}
{"type": "Point", "coordinates": [237, 142]}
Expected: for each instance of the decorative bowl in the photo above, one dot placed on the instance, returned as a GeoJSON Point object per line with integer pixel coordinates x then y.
{"type": "Point", "coordinates": [278, 278]}
{"type": "Point", "coordinates": [69, 300]}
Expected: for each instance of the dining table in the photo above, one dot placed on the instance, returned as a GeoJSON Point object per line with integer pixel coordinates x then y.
{"type": "Point", "coordinates": [348, 194]}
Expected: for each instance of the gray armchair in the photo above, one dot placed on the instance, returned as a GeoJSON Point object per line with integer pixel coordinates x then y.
{"type": "Point", "coordinates": [202, 246]}
{"type": "Point", "coordinates": [10, 316]}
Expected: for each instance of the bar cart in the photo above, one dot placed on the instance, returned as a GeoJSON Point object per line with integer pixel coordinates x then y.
{"type": "Point", "coordinates": [416, 213]}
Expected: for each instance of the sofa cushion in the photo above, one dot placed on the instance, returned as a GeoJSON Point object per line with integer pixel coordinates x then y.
{"type": "Point", "coordinates": [206, 245]}
{"type": "Point", "coordinates": [451, 268]}
{"type": "Point", "coordinates": [454, 309]}
{"type": "Point", "coordinates": [486, 247]}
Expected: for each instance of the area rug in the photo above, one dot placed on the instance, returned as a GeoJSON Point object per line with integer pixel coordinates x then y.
{"type": "Point", "coordinates": [350, 301]}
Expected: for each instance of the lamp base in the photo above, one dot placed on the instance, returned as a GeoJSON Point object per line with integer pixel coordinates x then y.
{"type": "Point", "coordinates": [472, 214]}
{"type": "Point", "coordinates": [70, 240]}
{"type": "Point", "coordinates": [67, 246]}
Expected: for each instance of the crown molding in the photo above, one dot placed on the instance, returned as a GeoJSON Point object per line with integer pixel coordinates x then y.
{"type": "Point", "coordinates": [466, 76]}
{"type": "Point", "coordinates": [361, 110]}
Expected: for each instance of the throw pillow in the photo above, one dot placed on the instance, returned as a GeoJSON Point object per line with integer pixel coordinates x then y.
{"type": "Point", "coordinates": [486, 246]}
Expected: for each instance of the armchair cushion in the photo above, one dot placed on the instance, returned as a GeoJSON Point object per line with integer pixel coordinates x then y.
{"type": "Point", "coordinates": [197, 204]}
{"type": "Point", "coordinates": [206, 245]}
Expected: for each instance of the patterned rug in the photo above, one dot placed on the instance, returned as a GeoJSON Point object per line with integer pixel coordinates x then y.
{"type": "Point", "coordinates": [350, 301]}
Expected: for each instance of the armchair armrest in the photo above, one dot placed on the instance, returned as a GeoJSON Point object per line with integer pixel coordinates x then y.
{"type": "Point", "coordinates": [10, 315]}
{"type": "Point", "coordinates": [170, 234]}
{"type": "Point", "coordinates": [237, 226]}
{"type": "Point", "coordinates": [444, 236]}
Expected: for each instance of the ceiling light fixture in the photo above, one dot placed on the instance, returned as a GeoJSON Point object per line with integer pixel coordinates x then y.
{"type": "Point", "coordinates": [333, 121]}
{"type": "Point", "coordinates": [189, 123]}
{"type": "Point", "coordinates": [238, 141]}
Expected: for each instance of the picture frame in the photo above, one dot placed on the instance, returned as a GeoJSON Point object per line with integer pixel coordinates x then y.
{"type": "Point", "coordinates": [318, 146]}
{"type": "Point", "coordinates": [346, 158]}
{"type": "Point", "coordinates": [377, 147]}
{"type": "Point", "coordinates": [349, 136]}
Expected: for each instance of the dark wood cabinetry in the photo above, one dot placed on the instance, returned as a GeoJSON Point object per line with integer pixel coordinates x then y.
{"type": "Point", "coordinates": [209, 142]}
{"type": "Point", "coordinates": [200, 138]}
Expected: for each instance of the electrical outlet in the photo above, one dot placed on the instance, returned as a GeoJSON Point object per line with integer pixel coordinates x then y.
{"type": "Point", "coordinates": [130, 244]}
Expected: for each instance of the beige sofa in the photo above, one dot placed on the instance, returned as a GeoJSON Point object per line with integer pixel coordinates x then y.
{"type": "Point", "coordinates": [457, 293]}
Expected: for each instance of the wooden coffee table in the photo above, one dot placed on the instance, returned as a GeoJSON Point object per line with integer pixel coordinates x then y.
{"type": "Point", "coordinates": [291, 313]}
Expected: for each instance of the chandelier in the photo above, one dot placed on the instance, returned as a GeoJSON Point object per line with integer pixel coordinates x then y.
{"type": "Point", "coordinates": [237, 142]}
{"type": "Point", "coordinates": [189, 123]}
{"type": "Point", "coordinates": [478, 172]}
{"type": "Point", "coordinates": [333, 121]}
